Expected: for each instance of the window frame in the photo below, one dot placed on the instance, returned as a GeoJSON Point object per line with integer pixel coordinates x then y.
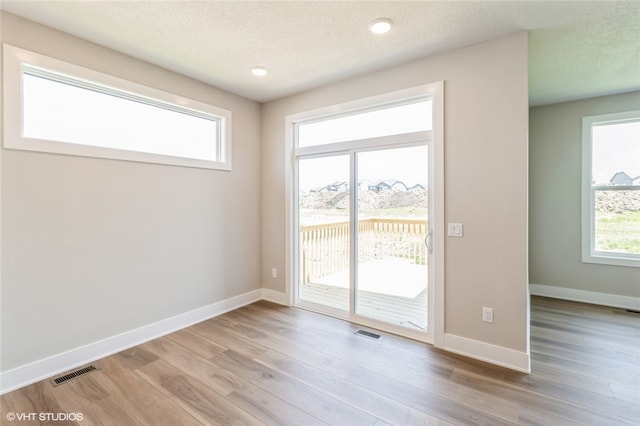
{"type": "Point", "coordinates": [589, 253]}
{"type": "Point", "coordinates": [19, 61]}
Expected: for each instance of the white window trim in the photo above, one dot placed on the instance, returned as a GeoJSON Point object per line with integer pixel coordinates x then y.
{"type": "Point", "coordinates": [15, 57]}
{"type": "Point", "coordinates": [589, 254]}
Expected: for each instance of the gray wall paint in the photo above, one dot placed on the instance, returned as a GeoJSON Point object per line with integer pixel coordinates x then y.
{"type": "Point", "coordinates": [555, 151]}
{"type": "Point", "coordinates": [92, 248]}
{"type": "Point", "coordinates": [486, 128]}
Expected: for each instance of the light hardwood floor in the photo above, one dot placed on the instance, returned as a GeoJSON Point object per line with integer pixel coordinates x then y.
{"type": "Point", "coordinates": [267, 364]}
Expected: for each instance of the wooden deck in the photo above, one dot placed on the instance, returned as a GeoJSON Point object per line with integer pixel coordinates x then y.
{"type": "Point", "coordinates": [392, 273]}
{"type": "Point", "coordinates": [408, 312]}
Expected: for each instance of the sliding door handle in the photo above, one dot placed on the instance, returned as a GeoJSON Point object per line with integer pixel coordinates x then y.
{"type": "Point", "coordinates": [428, 241]}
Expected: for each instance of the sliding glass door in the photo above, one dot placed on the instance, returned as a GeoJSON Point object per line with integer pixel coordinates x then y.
{"type": "Point", "coordinates": [362, 215]}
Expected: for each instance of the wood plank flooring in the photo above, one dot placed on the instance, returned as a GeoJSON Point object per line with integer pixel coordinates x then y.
{"type": "Point", "coordinates": [272, 365]}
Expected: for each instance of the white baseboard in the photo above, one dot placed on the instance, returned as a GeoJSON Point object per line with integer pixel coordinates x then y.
{"type": "Point", "coordinates": [498, 355]}
{"type": "Point", "coordinates": [275, 296]}
{"type": "Point", "coordinates": [47, 367]}
{"type": "Point", "coordinates": [605, 299]}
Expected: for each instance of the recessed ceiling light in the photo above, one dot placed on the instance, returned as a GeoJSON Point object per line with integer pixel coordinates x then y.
{"type": "Point", "coordinates": [380, 25]}
{"type": "Point", "coordinates": [259, 71]}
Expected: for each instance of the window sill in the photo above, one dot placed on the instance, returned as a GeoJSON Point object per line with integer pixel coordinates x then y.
{"type": "Point", "coordinates": [618, 260]}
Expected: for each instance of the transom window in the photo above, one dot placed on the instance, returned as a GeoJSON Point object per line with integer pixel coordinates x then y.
{"type": "Point", "coordinates": [611, 189]}
{"type": "Point", "coordinates": [404, 117]}
{"type": "Point", "coordinates": [62, 108]}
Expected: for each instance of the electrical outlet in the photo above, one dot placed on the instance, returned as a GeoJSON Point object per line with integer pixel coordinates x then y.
{"type": "Point", "coordinates": [487, 315]}
{"type": "Point", "coordinates": [274, 272]}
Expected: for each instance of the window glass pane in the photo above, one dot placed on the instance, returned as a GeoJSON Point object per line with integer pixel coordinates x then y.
{"type": "Point", "coordinates": [616, 154]}
{"type": "Point", "coordinates": [617, 221]}
{"type": "Point", "coordinates": [395, 120]}
{"type": "Point", "coordinates": [616, 162]}
{"type": "Point", "coordinates": [391, 283]}
{"type": "Point", "coordinates": [57, 111]}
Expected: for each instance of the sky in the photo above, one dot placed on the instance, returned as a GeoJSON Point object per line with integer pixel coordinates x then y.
{"type": "Point", "coordinates": [406, 164]}
{"type": "Point", "coordinates": [615, 148]}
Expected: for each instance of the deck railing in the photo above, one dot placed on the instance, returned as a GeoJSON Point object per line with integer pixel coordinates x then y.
{"type": "Point", "coordinates": [324, 248]}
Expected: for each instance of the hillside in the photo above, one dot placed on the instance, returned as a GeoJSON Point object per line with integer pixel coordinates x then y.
{"type": "Point", "coordinates": [617, 201]}
{"type": "Point", "coordinates": [366, 199]}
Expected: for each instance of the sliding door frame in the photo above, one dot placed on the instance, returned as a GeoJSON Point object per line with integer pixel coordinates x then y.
{"type": "Point", "coordinates": [434, 139]}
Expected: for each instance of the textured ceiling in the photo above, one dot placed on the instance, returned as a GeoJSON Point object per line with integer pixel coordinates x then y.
{"type": "Point", "coordinates": [577, 49]}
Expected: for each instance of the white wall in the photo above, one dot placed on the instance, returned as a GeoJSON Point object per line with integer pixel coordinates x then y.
{"type": "Point", "coordinates": [556, 268]}
{"type": "Point", "coordinates": [486, 127]}
{"type": "Point", "coordinates": [92, 248]}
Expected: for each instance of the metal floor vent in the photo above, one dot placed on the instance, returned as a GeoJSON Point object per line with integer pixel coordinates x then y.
{"type": "Point", "coordinates": [368, 334]}
{"type": "Point", "coordinates": [74, 374]}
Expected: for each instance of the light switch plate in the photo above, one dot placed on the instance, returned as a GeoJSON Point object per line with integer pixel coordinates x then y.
{"type": "Point", "coordinates": [454, 230]}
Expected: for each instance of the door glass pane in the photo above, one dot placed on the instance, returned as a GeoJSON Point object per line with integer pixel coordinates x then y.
{"type": "Point", "coordinates": [323, 217]}
{"type": "Point", "coordinates": [391, 278]}
{"type": "Point", "coordinates": [393, 120]}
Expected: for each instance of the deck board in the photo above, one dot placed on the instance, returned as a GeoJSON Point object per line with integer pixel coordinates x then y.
{"type": "Point", "coordinates": [409, 312]}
